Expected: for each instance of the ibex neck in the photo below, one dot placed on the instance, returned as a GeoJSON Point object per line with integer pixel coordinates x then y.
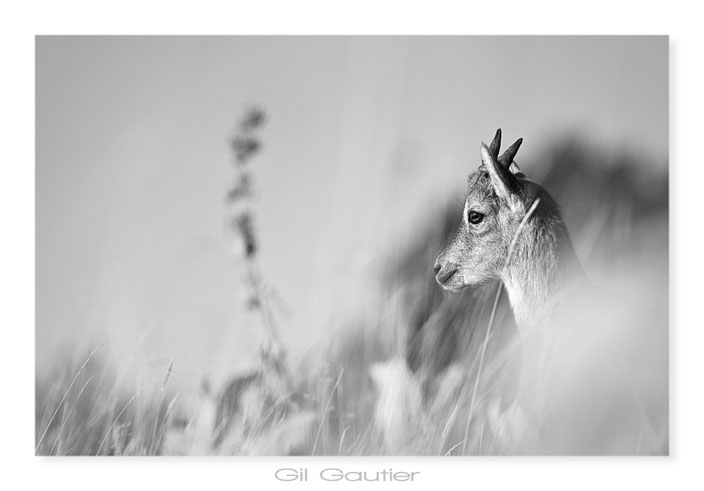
{"type": "Point", "coordinates": [543, 267]}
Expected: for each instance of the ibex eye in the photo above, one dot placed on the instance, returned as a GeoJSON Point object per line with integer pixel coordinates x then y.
{"type": "Point", "coordinates": [474, 217]}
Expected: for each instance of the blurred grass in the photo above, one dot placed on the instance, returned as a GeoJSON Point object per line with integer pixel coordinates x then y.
{"type": "Point", "coordinates": [85, 407]}
{"type": "Point", "coordinates": [418, 347]}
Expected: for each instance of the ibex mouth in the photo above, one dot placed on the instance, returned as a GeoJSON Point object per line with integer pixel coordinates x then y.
{"type": "Point", "coordinates": [445, 274]}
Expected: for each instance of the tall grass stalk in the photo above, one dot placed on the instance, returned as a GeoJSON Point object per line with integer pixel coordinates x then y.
{"type": "Point", "coordinates": [472, 403]}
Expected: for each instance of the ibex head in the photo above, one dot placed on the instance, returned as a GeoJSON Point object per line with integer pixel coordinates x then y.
{"type": "Point", "coordinates": [498, 196]}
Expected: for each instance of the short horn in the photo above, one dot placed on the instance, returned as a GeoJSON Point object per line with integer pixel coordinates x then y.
{"type": "Point", "coordinates": [507, 157]}
{"type": "Point", "coordinates": [495, 144]}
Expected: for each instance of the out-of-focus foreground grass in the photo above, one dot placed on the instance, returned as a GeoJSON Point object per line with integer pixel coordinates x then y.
{"type": "Point", "coordinates": [401, 378]}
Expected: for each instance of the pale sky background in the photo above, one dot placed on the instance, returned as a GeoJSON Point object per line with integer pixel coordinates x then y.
{"type": "Point", "coordinates": [366, 135]}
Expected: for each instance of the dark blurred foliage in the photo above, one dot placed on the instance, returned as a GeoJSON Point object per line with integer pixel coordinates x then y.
{"type": "Point", "coordinates": [245, 145]}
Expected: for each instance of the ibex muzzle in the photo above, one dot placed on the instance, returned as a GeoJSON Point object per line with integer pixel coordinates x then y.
{"type": "Point", "coordinates": [444, 271]}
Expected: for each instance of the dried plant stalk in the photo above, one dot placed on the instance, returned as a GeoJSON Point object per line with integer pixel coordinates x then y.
{"type": "Point", "coordinates": [258, 295]}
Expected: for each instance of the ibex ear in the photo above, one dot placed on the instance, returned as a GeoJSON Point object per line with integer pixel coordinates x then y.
{"type": "Point", "coordinates": [505, 184]}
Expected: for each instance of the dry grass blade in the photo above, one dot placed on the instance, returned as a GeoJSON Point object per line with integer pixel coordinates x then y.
{"type": "Point", "coordinates": [342, 439]}
{"type": "Point", "coordinates": [63, 423]}
{"type": "Point", "coordinates": [449, 452]}
{"type": "Point", "coordinates": [448, 425]}
{"type": "Point", "coordinates": [58, 406]}
{"type": "Point", "coordinates": [168, 374]}
{"type": "Point", "coordinates": [325, 411]}
{"type": "Point", "coordinates": [107, 433]}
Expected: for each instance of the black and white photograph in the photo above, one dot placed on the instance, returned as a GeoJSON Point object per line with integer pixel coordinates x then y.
{"type": "Point", "coordinates": [339, 245]}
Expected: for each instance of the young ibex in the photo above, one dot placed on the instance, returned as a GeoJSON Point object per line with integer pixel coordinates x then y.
{"type": "Point", "coordinates": [512, 230]}
{"type": "Point", "coordinates": [506, 213]}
